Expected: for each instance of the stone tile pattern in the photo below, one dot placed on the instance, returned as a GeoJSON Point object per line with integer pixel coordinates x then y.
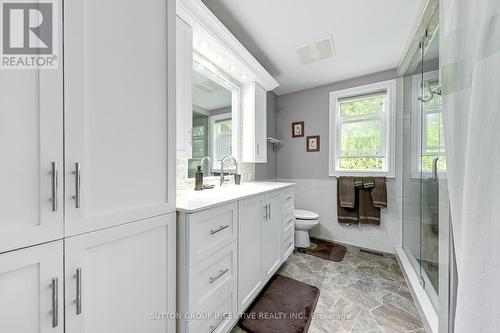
{"type": "Point", "coordinates": [364, 293]}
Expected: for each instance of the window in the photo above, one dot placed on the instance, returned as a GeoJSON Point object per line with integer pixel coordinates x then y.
{"type": "Point", "coordinates": [362, 130]}
{"type": "Point", "coordinates": [221, 134]}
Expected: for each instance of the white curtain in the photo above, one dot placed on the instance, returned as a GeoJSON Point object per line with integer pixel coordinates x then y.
{"type": "Point", "coordinates": [470, 72]}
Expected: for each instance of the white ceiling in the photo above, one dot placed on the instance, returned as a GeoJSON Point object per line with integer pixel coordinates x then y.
{"type": "Point", "coordinates": [369, 36]}
{"type": "Point", "coordinates": [209, 100]}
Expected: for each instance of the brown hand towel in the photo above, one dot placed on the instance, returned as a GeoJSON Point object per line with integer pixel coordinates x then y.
{"type": "Point", "coordinates": [379, 192]}
{"type": "Point", "coordinates": [368, 182]}
{"type": "Point", "coordinates": [346, 191]}
{"type": "Point", "coordinates": [358, 182]}
{"type": "Point", "coordinates": [368, 213]}
{"type": "Point", "coordinates": [347, 215]}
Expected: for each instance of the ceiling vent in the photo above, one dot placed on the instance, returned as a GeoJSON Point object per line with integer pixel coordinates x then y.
{"type": "Point", "coordinates": [208, 86]}
{"type": "Point", "coordinates": [316, 51]}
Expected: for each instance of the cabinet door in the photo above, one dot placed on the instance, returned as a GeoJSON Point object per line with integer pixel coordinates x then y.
{"type": "Point", "coordinates": [250, 276]}
{"type": "Point", "coordinates": [31, 140]}
{"type": "Point", "coordinates": [184, 78]}
{"type": "Point", "coordinates": [271, 235]}
{"type": "Point", "coordinates": [31, 289]}
{"type": "Point", "coordinates": [254, 113]}
{"type": "Point", "coordinates": [119, 125]}
{"type": "Point", "coordinates": [122, 279]}
{"type": "Point", "coordinates": [260, 124]}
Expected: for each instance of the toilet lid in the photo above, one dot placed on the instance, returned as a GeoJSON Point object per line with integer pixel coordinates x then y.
{"type": "Point", "coordinates": [305, 214]}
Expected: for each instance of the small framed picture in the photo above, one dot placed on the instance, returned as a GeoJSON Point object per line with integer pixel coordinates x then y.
{"type": "Point", "coordinates": [313, 143]}
{"type": "Point", "coordinates": [298, 129]}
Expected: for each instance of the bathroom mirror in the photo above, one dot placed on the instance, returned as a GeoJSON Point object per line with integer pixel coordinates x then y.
{"type": "Point", "coordinates": [215, 102]}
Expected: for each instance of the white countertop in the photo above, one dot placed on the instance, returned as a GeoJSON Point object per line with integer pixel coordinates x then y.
{"type": "Point", "coordinates": [190, 201]}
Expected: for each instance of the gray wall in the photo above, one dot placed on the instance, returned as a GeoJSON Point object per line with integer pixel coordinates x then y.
{"type": "Point", "coordinates": [314, 189]}
{"type": "Point", "coordinates": [269, 170]}
{"type": "Point", "coordinates": [312, 107]}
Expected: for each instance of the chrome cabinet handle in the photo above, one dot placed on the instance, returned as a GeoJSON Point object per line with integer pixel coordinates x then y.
{"type": "Point", "coordinates": [212, 328]}
{"type": "Point", "coordinates": [265, 212]}
{"type": "Point", "coordinates": [212, 232]}
{"type": "Point", "coordinates": [215, 278]}
{"type": "Point", "coordinates": [55, 302]}
{"type": "Point", "coordinates": [77, 174]}
{"type": "Point", "coordinates": [53, 188]}
{"type": "Point", "coordinates": [290, 244]}
{"type": "Point", "coordinates": [269, 211]}
{"type": "Point", "coordinates": [290, 221]}
{"type": "Point", "coordinates": [78, 300]}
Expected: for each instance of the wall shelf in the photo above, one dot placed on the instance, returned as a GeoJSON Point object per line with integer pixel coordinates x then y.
{"type": "Point", "coordinates": [274, 142]}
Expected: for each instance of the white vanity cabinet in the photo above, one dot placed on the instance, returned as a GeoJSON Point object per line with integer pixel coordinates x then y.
{"type": "Point", "coordinates": [227, 252]}
{"type": "Point", "coordinates": [254, 116]}
{"type": "Point", "coordinates": [184, 86]}
{"type": "Point", "coordinates": [260, 244]}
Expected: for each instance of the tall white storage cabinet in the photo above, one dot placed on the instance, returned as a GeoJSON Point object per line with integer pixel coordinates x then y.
{"type": "Point", "coordinates": [117, 135]}
{"type": "Point", "coordinates": [109, 204]}
{"type": "Point", "coordinates": [184, 78]}
{"type": "Point", "coordinates": [31, 148]}
{"type": "Point", "coordinates": [255, 120]}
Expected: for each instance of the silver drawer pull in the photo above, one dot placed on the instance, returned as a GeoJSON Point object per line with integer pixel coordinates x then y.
{"type": "Point", "coordinates": [78, 184]}
{"type": "Point", "coordinates": [53, 189]}
{"type": "Point", "coordinates": [290, 244]}
{"type": "Point", "coordinates": [78, 300]}
{"type": "Point", "coordinates": [55, 302]}
{"type": "Point", "coordinates": [290, 221]}
{"type": "Point", "coordinates": [215, 278]}
{"type": "Point", "coordinates": [213, 327]}
{"type": "Point", "coordinates": [212, 232]}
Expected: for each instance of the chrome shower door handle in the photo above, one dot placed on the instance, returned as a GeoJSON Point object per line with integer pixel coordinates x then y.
{"type": "Point", "coordinates": [53, 185]}
{"type": "Point", "coordinates": [55, 302]}
{"type": "Point", "coordinates": [78, 299]}
{"type": "Point", "coordinates": [435, 168]}
{"type": "Point", "coordinates": [77, 172]}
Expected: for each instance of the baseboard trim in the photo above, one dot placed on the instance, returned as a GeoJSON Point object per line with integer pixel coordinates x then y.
{"type": "Point", "coordinates": [422, 301]}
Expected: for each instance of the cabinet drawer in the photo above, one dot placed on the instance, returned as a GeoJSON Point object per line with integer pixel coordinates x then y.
{"type": "Point", "coordinates": [288, 221]}
{"type": "Point", "coordinates": [210, 276]}
{"type": "Point", "coordinates": [211, 230]}
{"type": "Point", "coordinates": [288, 244]}
{"type": "Point", "coordinates": [218, 317]}
{"type": "Point", "coordinates": [288, 201]}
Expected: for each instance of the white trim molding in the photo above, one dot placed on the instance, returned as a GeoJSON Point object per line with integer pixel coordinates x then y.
{"type": "Point", "coordinates": [388, 128]}
{"type": "Point", "coordinates": [215, 42]}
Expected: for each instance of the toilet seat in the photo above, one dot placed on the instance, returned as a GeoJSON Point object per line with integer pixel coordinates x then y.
{"type": "Point", "coordinates": [301, 214]}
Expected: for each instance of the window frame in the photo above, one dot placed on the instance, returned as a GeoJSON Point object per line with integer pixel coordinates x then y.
{"type": "Point", "coordinates": [388, 128]}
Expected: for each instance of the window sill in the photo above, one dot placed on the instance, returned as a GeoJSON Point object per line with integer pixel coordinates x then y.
{"type": "Point", "coordinates": [387, 175]}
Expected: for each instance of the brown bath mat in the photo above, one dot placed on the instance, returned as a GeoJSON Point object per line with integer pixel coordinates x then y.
{"type": "Point", "coordinates": [326, 250]}
{"type": "Point", "coordinates": [285, 306]}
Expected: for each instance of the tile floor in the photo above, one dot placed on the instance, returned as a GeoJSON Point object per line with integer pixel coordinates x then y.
{"type": "Point", "coordinates": [364, 293]}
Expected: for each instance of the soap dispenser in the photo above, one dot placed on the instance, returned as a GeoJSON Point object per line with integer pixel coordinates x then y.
{"type": "Point", "coordinates": [198, 185]}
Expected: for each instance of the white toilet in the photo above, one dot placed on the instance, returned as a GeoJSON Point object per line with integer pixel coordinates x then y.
{"type": "Point", "coordinates": [305, 220]}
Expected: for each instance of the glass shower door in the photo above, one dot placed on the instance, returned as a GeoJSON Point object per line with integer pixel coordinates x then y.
{"type": "Point", "coordinates": [423, 158]}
